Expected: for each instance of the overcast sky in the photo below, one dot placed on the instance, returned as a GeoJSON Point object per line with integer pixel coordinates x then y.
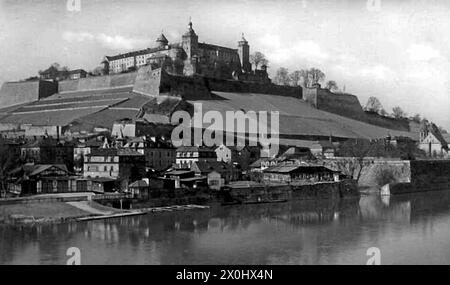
{"type": "Point", "coordinates": [397, 51]}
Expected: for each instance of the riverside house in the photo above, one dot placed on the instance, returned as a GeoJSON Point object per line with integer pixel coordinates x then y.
{"type": "Point", "coordinates": [30, 179]}
{"type": "Point", "coordinates": [123, 165]}
{"type": "Point", "coordinates": [159, 154]}
{"type": "Point", "coordinates": [48, 151]}
{"type": "Point", "coordinates": [299, 173]}
{"type": "Point", "coordinates": [186, 155]}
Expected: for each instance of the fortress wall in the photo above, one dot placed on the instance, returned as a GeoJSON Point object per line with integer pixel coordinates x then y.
{"type": "Point", "coordinates": [199, 87]}
{"type": "Point", "coordinates": [386, 122]}
{"type": "Point", "coordinates": [148, 81]}
{"type": "Point", "coordinates": [346, 105]}
{"type": "Point", "coordinates": [124, 79]}
{"type": "Point", "coordinates": [222, 85]}
{"type": "Point", "coordinates": [342, 104]}
{"type": "Point", "coordinates": [188, 88]}
{"type": "Point", "coordinates": [310, 96]}
{"type": "Point", "coordinates": [14, 93]}
{"type": "Point", "coordinates": [68, 85]}
{"type": "Point", "coordinates": [91, 83]}
{"type": "Point", "coordinates": [47, 88]}
{"type": "Point", "coordinates": [98, 82]}
{"type": "Point", "coordinates": [156, 82]}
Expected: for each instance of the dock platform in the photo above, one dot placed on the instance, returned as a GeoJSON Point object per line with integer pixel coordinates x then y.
{"type": "Point", "coordinates": [144, 211]}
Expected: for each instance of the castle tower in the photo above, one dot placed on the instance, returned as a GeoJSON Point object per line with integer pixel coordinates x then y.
{"type": "Point", "coordinates": [189, 44]}
{"type": "Point", "coordinates": [244, 54]}
{"type": "Point", "coordinates": [161, 41]}
{"type": "Point", "coordinates": [190, 41]}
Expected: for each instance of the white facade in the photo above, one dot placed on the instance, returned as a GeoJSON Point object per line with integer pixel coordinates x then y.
{"type": "Point", "coordinates": [432, 146]}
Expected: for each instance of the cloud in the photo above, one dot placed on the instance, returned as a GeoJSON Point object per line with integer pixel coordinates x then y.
{"type": "Point", "coordinates": [358, 70]}
{"type": "Point", "coordinates": [115, 42]}
{"type": "Point", "coordinates": [77, 37]}
{"type": "Point", "coordinates": [421, 52]}
{"type": "Point", "coordinates": [119, 42]}
{"type": "Point", "coordinates": [378, 71]}
{"type": "Point", "coordinates": [282, 53]}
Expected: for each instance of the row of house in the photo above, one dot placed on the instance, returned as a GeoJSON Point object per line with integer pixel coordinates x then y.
{"type": "Point", "coordinates": [103, 164]}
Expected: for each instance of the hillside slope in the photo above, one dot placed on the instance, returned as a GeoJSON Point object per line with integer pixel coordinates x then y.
{"type": "Point", "coordinates": [88, 109]}
{"type": "Point", "coordinates": [298, 118]}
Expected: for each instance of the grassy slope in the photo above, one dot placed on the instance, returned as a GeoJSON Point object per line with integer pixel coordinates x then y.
{"type": "Point", "coordinates": [42, 210]}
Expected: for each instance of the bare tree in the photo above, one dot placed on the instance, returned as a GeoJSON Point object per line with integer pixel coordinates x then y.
{"type": "Point", "coordinates": [353, 157]}
{"type": "Point", "coordinates": [56, 72]}
{"type": "Point", "coordinates": [443, 130]}
{"type": "Point", "coordinates": [416, 118]}
{"type": "Point", "coordinates": [315, 75]}
{"type": "Point", "coordinates": [282, 76]}
{"type": "Point", "coordinates": [374, 105]}
{"type": "Point", "coordinates": [398, 113]}
{"type": "Point", "coordinates": [331, 85]}
{"type": "Point", "coordinates": [310, 76]}
{"type": "Point", "coordinates": [98, 71]}
{"type": "Point", "coordinates": [258, 59]}
{"type": "Point", "coordinates": [297, 78]}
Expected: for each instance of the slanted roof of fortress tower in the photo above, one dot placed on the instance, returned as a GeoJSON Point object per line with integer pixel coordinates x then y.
{"type": "Point", "coordinates": [190, 31]}
{"type": "Point", "coordinates": [161, 38]}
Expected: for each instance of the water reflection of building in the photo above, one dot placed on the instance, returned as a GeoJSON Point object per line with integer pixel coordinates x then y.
{"type": "Point", "coordinates": [288, 233]}
{"type": "Point", "coordinates": [374, 208]}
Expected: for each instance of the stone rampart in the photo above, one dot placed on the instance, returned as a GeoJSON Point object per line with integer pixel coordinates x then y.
{"type": "Point", "coordinates": [98, 82]}
{"type": "Point", "coordinates": [15, 93]}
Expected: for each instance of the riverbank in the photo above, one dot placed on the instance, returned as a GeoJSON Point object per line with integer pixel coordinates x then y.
{"type": "Point", "coordinates": [51, 212]}
{"type": "Point", "coordinates": [60, 212]}
{"type": "Point", "coordinates": [67, 207]}
{"type": "Point", "coordinates": [295, 232]}
{"type": "Point", "coordinates": [424, 176]}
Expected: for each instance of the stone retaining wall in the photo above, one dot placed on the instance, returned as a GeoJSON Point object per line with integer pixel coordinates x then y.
{"type": "Point", "coordinates": [325, 190]}
{"type": "Point", "coordinates": [426, 175]}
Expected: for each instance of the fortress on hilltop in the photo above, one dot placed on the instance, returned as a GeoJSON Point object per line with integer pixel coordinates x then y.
{"type": "Point", "coordinates": [149, 85]}
{"type": "Point", "coordinates": [191, 57]}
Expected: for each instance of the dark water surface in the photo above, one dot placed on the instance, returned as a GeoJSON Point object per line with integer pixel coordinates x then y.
{"type": "Point", "coordinates": [408, 229]}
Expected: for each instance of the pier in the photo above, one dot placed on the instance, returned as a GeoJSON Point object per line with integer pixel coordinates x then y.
{"type": "Point", "coordinates": [144, 211]}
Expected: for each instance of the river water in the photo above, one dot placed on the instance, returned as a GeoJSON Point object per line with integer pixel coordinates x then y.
{"type": "Point", "coordinates": [407, 229]}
